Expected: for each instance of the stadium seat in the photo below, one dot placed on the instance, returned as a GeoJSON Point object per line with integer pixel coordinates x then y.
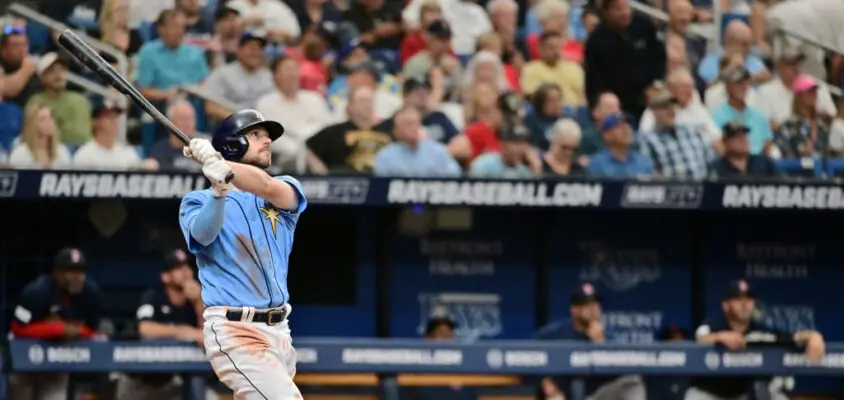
{"type": "Point", "coordinates": [835, 168]}
{"type": "Point", "coordinates": [793, 166]}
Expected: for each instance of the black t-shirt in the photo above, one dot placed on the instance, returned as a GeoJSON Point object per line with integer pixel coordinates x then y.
{"type": "Point", "coordinates": [155, 306]}
{"type": "Point", "coordinates": [346, 148]}
{"type": "Point", "coordinates": [574, 170]}
{"type": "Point", "coordinates": [170, 159]}
{"type": "Point", "coordinates": [757, 165]}
{"type": "Point", "coordinates": [436, 123]}
{"type": "Point", "coordinates": [366, 22]}
{"type": "Point", "coordinates": [41, 301]}
{"type": "Point", "coordinates": [33, 85]}
{"type": "Point", "coordinates": [757, 335]}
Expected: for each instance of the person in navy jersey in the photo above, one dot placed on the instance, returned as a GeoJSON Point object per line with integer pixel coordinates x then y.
{"type": "Point", "coordinates": [585, 325]}
{"type": "Point", "coordinates": [441, 328]}
{"type": "Point", "coordinates": [170, 310]}
{"type": "Point", "coordinates": [61, 306]}
{"type": "Point", "coordinates": [737, 160]}
{"type": "Point", "coordinates": [736, 329]}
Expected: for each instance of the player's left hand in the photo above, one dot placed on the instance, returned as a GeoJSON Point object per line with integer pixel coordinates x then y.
{"type": "Point", "coordinates": [216, 170]}
{"type": "Point", "coordinates": [200, 150]}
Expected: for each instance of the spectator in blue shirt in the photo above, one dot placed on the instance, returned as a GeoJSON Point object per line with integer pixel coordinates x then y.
{"type": "Point", "coordinates": [737, 38]}
{"type": "Point", "coordinates": [12, 117]}
{"type": "Point", "coordinates": [509, 161]}
{"type": "Point", "coordinates": [737, 160]}
{"type": "Point", "coordinates": [165, 63]}
{"type": "Point", "coordinates": [737, 82]}
{"type": "Point", "coordinates": [417, 94]}
{"type": "Point", "coordinates": [411, 154]}
{"type": "Point", "coordinates": [617, 159]}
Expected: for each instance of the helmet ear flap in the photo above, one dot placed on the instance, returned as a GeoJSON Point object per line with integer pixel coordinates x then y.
{"type": "Point", "coordinates": [234, 147]}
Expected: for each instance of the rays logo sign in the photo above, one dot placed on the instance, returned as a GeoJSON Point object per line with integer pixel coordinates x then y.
{"type": "Point", "coordinates": [477, 315]}
{"type": "Point", "coordinates": [618, 269]}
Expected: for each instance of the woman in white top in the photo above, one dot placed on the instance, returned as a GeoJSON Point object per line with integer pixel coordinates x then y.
{"type": "Point", "coordinates": [39, 147]}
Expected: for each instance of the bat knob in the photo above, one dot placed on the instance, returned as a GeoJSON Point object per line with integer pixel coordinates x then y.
{"type": "Point", "coordinates": [229, 177]}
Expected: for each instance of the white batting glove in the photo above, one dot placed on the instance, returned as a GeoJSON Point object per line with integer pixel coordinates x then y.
{"type": "Point", "coordinates": [200, 150]}
{"type": "Point", "coordinates": [216, 170]}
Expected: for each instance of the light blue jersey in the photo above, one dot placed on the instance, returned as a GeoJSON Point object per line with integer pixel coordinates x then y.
{"type": "Point", "coordinates": [246, 264]}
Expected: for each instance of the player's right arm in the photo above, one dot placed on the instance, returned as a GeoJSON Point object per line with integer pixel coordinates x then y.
{"type": "Point", "coordinates": [31, 320]}
{"type": "Point", "coordinates": [201, 218]}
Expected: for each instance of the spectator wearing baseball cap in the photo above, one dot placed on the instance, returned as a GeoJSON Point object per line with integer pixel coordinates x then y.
{"type": "Point", "coordinates": [808, 132]}
{"type": "Point", "coordinates": [678, 151]}
{"type": "Point", "coordinates": [437, 54]}
{"type": "Point", "coordinates": [509, 162]}
{"type": "Point", "coordinates": [412, 154]}
{"type": "Point", "coordinates": [242, 81]}
{"type": "Point", "coordinates": [738, 326]}
{"type": "Point", "coordinates": [63, 305]}
{"type": "Point", "coordinates": [437, 126]}
{"type": "Point", "coordinates": [737, 83]}
{"type": "Point", "coordinates": [776, 96]}
{"type": "Point", "coordinates": [71, 110]}
{"type": "Point", "coordinates": [21, 81]}
{"type": "Point", "coordinates": [313, 53]}
{"type": "Point", "coordinates": [618, 159]}
{"type": "Point", "coordinates": [106, 150]}
{"type": "Point", "coordinates": [737, 160]}
{"type": "Point", "coordinates": [170, 310]}
{"type": "Point", "coordinates": [414, 41]}
{"type": "Point", "coordinates": [716, 94]}
{"type": "Point", "coordinates": [351, 54]}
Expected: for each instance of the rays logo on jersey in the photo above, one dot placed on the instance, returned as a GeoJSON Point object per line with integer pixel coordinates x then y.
{"type": "Point", "coordinates": [618, 269]}
{"type": "Point", "coordinates": [475, 314]}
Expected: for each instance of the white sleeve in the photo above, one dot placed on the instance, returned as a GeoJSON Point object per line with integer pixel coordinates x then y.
{"type": "Point", "coordinates": [703, 330]}
{"type": "Point", "coordinates": [287, 20]}
{"type": "Point", "coordinates": [647, 123]}
{"type": "Point", "coordinates": [825, 103]}
{"type": "Point", "coordinates": [410, 15]}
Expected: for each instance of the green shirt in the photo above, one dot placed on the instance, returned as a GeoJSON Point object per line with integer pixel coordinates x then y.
{"type": "Point", "coordinates": [72, 113]}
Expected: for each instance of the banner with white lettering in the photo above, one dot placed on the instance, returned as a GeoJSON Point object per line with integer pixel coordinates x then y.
{"type": "Point", "coordinates": [469, 265]}
{"type": "Point", "coordinates": [638, 262]}
{"type": "Point", "coordinates": [792, 266]}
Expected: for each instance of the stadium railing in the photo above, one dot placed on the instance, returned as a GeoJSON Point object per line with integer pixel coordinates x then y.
{"type": "Point", "coordinates": [390, 357]}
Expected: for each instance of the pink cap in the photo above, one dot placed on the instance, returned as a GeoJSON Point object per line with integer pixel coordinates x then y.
{"type": "Point", "coordinates": [803, 83]}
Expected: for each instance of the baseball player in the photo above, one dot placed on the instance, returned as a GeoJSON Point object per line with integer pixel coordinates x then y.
{"type": "Point", "coordinates": [242, 233]}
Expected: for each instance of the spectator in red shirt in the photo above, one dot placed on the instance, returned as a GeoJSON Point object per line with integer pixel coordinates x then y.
{"type": "Point", "coordinates": [553, 16]}
{"type": "Point", "coordinates": [64, 305]}
{"type": "Point", "coordinates": [484, 117]}
{"type": "Point", "coordinates": [414, 42]}
{"type": "Point", "coordinates": [313, 65]}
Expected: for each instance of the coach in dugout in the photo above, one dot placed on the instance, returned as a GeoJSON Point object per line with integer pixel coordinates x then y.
{"type": "Point", "coordinates": [61, 306]}
{"type": "Point", "coordinates": [585, 325]}
{"type": "Point", "coordinates": [171, 310]}
{"type": "Point", "coordinates": [737, 329]}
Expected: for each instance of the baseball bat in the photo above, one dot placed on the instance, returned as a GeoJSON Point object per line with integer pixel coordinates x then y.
{"type": "Point", "coordinates": [86, 56]}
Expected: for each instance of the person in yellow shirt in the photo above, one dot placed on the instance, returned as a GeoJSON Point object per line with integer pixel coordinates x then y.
{"type": "Point", "coordinates": [550, 68]}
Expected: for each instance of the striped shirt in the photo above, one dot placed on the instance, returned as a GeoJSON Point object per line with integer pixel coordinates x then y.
{"type": "Point", "coordinates": [681, 152]}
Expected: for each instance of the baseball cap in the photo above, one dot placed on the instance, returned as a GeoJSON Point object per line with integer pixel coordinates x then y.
{"type": "Point", "coordinates": [516, 133]}
{"type": "Point", "coordinates": [69, 257]}
{"type": "Point", "coordinates": [173, 259]}
{"type": "Point", "coordinates": [250, 37]}
{"type": "Point", "coordinates": [661, 97]}
{"type": "Point", "coordinates": [737, 289]}
{"type": "Point", "coordinates": [733, 129]}
{"type": "Point", "coordinates": [412, 84]}
{"type": "Point", "coordinates": [735, 74]}
{"type": "Point", "coordinates": [327, 30]}
{"type": "Point", "coordinates": [803, 83]}
{"type": "Point", "coordinates": [583, 294]}
{"type": "Point", "coordinates": [439, 28]}
{"type": "Point", "coordinates": [347, 48]}
{"type": "Point", "coordinates": [46, 61]}
{"type": "Point", "coordinates": [611, 121]}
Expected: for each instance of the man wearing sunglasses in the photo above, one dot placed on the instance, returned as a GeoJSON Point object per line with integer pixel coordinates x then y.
{"type": "Point", "coordinates": [19, 83]}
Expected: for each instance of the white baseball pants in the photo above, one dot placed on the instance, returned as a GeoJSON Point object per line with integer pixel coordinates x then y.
{"type": "Point", "coordinates": [255, 360]}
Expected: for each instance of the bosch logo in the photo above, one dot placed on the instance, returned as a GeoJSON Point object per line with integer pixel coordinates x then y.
{"type": "Point", "coordinates": [495, 358]}
{"type": "Point", "coordinates": [712, 360]}
{"type": "Point", "coordinates": [36, 354]}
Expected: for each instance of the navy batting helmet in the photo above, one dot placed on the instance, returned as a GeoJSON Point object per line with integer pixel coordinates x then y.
{"type": "Point", "coordinates": [228, 137]}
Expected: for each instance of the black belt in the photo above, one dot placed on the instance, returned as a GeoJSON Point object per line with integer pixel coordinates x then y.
{"type": "Point", "coordinates": [273, 316]}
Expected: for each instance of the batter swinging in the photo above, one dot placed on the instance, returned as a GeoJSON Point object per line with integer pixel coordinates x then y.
{"type": "Point", "coordinates": [242, 233]}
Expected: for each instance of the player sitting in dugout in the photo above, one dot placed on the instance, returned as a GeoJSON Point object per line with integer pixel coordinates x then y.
{"type": "Point", "coordinates": [737, 329]}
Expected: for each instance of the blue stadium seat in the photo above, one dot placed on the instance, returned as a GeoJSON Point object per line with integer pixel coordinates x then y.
{"type": "Point", "coordinates": [794, 166]}
{"type": "Point", "coordinates": [835, 167]}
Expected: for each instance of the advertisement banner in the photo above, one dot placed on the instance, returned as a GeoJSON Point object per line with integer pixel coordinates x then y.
{"type": "Point", "coordinates": [482, 277]}
{"type": "Point", "coordinates": [792, 272]}
{"type": "Point", "coordinates": [641, 269]}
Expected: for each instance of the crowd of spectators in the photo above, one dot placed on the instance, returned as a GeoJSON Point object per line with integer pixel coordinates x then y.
{"type": "Point", "coordinates": [439, 88]}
